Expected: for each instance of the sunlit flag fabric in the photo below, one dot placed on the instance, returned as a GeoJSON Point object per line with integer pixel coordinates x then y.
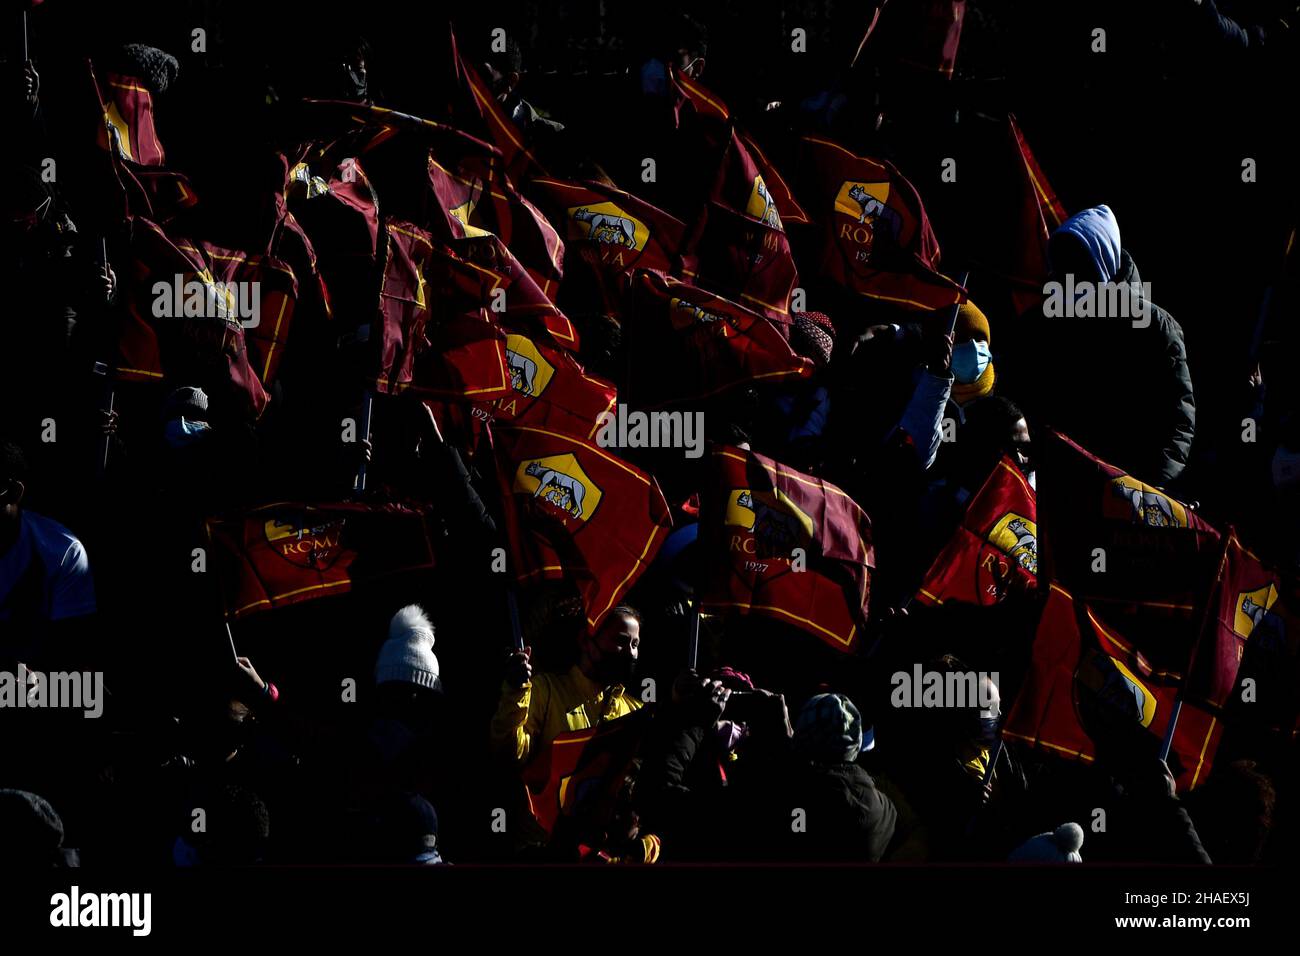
{"type": "Point", "coordinates": [746, 179]}
{"type": "Point", "coordinates": [468, 104]}
{"type": "Point", "coordinates": [1158, 556]}
{"type": "Point", "coordinates": [878, 241]}
{"type": "Point", "coordinates": [614, 232]}
{"type": "Point", "coordinates": [286, 553]}
{"type": "Point", "coordinates": [1252, 632]}
{"type": "Point", "coordinates": [477, 200]}
{"type": "Point", "coordinates": [584, 769]}
{"type": "Point", "coordinates": [485, 274]}
{"type": "Point", "coordinates": [1037, 214]}
{"type": "Point", "coordinates": [333, 204]}
{"type": "Point", "coordinates": [193, 307]}
{"type": "Point", "coordinates": [428, 345]}
{"type": "Point", "coordinates": [127, 135]}
{"type": "Point", "coordinates": [549, 390]}
{"type": "Point", "coordinates": [785, 545]}
{"type": "Point", "coordinates": [994, 552]}
{"type": "Point", "coordinates": [574, 511]}
{"type": "Point", "coordinates": [1081, 665]}
{"type": "Point", "coordinates": [686, 344]}
{"type": "Point", "coordinates": [739, 235]}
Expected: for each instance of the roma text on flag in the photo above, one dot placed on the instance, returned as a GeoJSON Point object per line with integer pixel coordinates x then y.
{"type": "Point", "coordinates": [785, 545]}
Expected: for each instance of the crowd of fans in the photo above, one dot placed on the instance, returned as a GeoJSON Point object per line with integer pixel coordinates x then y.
{"type": "Point", "coordinates": [335, 732]}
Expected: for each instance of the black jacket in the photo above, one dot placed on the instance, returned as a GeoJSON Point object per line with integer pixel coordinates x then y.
{"type": "Point", "coordinates": [1121, 390]}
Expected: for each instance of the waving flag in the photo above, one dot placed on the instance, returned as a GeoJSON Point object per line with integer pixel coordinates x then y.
{"type": "Point", "coordinates": [549, 391]}
{"type": "Point", "coordinates": [994, 551]}
{"type": "Point", "coordinates": [193, 307]}
{"type": "Point", "coordinates": [584, 767]}
{"type": "Point", "coordinates": [1252, 631]}
{"type": "Point", "coordinates": [481, 273]}
{"type": "Point", "coordinates": [1142, 559]}
{"type": "Point", "coordinates": [745, 179]}
{"type": "Point", "coordinates": [574, 511]}
{"type": "Point", "coordinates": [478, 200]}
{"type": "Point", "coordinates": [878, 241]}
{"type": "Point", "coordinates": [128, 137]}
{"type": "Point", "coordinates": [470, 105]}
{"type": "Point", "coordinates": [287, 553]}
{"type": "Point", "coordinates": [614, 232]}
{"type": "Point", "coordinates": [427, 344]}
{"type": "Point", "coordinates": [1084, 672]}
{"type": "Point", "coordinates": [785, 545]}
{"type": "Point", "coordinates": [1038, 213]}
{"type": "Point", "coordinates": [688, 344]}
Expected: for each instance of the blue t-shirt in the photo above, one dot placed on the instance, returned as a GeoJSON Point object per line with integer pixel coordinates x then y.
{"type": "Point", "coordinates": [48, 557]}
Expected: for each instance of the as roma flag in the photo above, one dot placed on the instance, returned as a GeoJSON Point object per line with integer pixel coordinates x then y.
{"type": "Point", "coordinates": [477, 200]}
{"type": "Point", "coordinates": [753, 516]}
{"type": "Point", "coordinates": [1037, 214]}
{"type": "Point", "coordinates": [1252, 631]}
{"type": "Point", "coordinates": [1142, 559]}
{"type": "Point", "coordinates": [994, 551]}
{"type": "Point", "coordinates": [199, 312]}
{"type": "Point", "coordinates": [468, 104]}
{"type": "Point", "coordinates": [686, 343]}
{"type": "Point", "coordinates": [584, 768]}
{"type": "Point", "coordinates": [878, 241]}
{"type": "Point", "coordinates": [128, 137]}
{"type": "Point", "coordinates": [746, 180]}
{"type": "Point", "coordinates": [613, 231]}
{"type": "Point", "coordinates": [574, 511]}
{"type": "Point", "coordinates": [549, 390]}
{"type": "Point", "coordinates": [482, 273]}
{"type": "Point", "coordinates": [287, 553]}
{"type": "Point", "coordinates": [427, 344]}
{"type": "Point", "coordinates": [746, 259]}
{"type": "Point", "coordinates": [1086, 678]}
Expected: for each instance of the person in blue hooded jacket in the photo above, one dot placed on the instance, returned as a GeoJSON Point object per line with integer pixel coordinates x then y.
{"type": "Point", "coordinates": [1101, 361]}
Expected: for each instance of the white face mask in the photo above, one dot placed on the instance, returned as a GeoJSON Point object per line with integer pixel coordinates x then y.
{"type": "Point", "coordinates": [969, 360]}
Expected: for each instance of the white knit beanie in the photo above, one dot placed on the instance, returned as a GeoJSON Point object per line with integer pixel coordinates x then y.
{"type": "Point", "coordinates": [1062, 845]}
{"type": "Point", "coordinates": [408, 655]}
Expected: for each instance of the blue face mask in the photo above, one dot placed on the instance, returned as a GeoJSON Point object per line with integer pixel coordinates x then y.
{"type": "Point", "coordinates": [969, 360]}
{"type": "Point", "coordinates": [987, 734]}
{"type": "Point", "coordinates": [181, 432]}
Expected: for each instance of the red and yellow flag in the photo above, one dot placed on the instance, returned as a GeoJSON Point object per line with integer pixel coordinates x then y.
{"type": "Point", "coordinates": [994, 551]}
{"type": "Point", "coordinates": [1084, 672]}
{"type": "Point", "coordinates": [583, 770]}
{"type": "Point", "coordinates": [785, 545]}
{"type": "Point", "coordinates": [192, 306]}
{"type": "Point", "coordinates": [1038, 213]}
{"type": "Point", "coordinates": [687, 344]}
{"type": "Point", "coordinates": [1141, 559]}
{"type": "Point", "coordinates": [878, 240]}
{"type": "Point", "coordinates": [574, 511]}
{"type": "Point", "coordinates": [287, 553]}
{"type": "Point", "coordinates": [1247, 664]}
{"type": "Point", "coordinates": [549, 390]}
{"type": "Point", "coordinates": [428, 345]}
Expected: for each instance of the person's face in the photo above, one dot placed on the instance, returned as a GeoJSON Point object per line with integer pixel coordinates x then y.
{"type": "Point", "coordinates": [619, 636]}
{"type": "Point", "coordinates": [614, 649]}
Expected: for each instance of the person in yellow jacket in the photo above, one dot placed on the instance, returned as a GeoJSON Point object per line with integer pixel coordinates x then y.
{"type": "Point", "coordinates": [535, 708]}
